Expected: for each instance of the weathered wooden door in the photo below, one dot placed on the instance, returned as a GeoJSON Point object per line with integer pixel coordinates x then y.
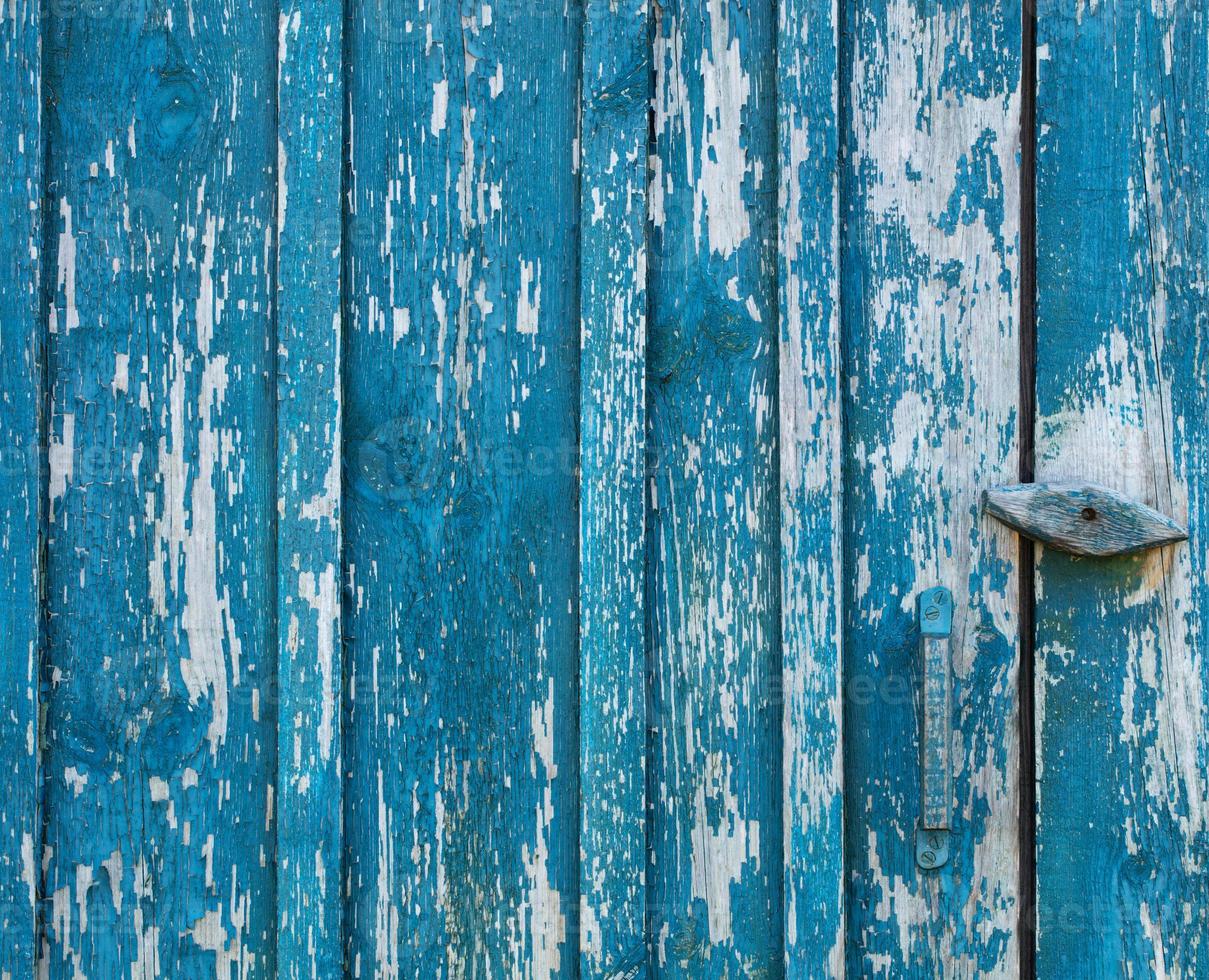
{"type": "Point", "coordinates": [470, 472]}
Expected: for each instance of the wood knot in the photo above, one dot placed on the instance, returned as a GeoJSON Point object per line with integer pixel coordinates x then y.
{"type": "Point", "coordinates": [174, 111]}
{"type": "Point", "coordinates": [395, 463]}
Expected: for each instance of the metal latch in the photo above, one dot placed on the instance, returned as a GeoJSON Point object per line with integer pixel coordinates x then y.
{"type": "Point", "coordinates": [935, 628]}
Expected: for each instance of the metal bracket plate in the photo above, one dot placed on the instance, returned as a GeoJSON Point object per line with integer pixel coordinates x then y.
{"type": "Point", "coordinates": [935, 628]}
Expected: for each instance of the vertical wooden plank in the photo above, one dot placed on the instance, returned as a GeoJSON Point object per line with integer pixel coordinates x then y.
{"type": "Point", "coordinates": [931, 192]}
{"type": "Point", "coordinates": [713, 572]}
{"type": "Point", "coordinates": [616, 87]}
{"type": "Point", "coordinates": [461, 401]}
{"type": "Point", "coordinates": [160, 743]}
{"type": "Point", "coordinates": [1122, 363]}
{"type": "Point", "coordinates": [21, 373]}
{"type": "Point", "coordinates": [811, 486]}
{"type": "Point", "coordinates": [310, 111]}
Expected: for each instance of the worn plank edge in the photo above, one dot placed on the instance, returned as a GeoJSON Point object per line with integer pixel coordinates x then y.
{"type": "Point", "coordinates": [616, 94]}
{"type": "Point", "coordinates": [23, 478]}
{"type": "Point", "coordinates": [309, 443]}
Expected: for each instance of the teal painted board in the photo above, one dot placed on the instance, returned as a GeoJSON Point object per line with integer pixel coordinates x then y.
{"type": "Point", "coordinates": [460, 516]}
{"type": "Point", "coordinates": [616, 99]}
{"type": "Point", "coordinates": [22, 340]}
{"type": "Point", "coordinates": [810, 441]}
{"type": "Point", "coordinates": [160, 745]}
{"type": "Point", "coordinates": [1123, 715]}
{"type": "Point", "coordinates": [309, 811]}
{"type": "Point", "coordinates": [492, 453]}
{"type": "Point", "coordinates": [714, 497]}
{"type": "Point", "coordinates": [930, 260]}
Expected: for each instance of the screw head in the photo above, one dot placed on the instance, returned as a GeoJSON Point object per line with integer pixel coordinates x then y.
{"type": "Point", "coordinates": [931, 849]}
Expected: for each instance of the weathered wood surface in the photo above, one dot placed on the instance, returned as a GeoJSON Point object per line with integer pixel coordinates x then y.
{"type": "Point", "coordinates": [461, 525]}
{"type": "Point", "coordinates": [931, 185]}
{"type": "Point", "coordinates": [810, 459]}
{"type": "Point", "coordinates": [713, 541]}
{"type": "Point", "coordinates": [310, 112]}
{"type": "Point", "coordinates": [758, 487]}
{"type": "Point", "coordinates": [22, 336]}
{"type": "Point", "coordinates": [1123, 343]}
{"type": "Point", "coordinates": [1081, 518]}
{"type": "Point", "coordinates": [616, 99]}
{"type": "Point", "coordinates": [160, 744]}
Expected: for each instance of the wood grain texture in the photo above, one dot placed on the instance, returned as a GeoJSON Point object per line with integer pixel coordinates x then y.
{"type": "Point", "coordinates": [931, 197]}
{"type": "Point", "coordinates": [1123, 363]}
{"type": "Point", "coordinates": [616, 99]}
{"type": "Point", "coordinates": [461, 521]}
{"type": "Point", "coordinates": [1081, 518]}
{"type": "Point", "coordinates": [160, 735]}
{"type": "Point", "coordinates": [713, 565]}
{"type": "Point", "coordinates": [22, 339]}
{"type": "Point", "coordinates": [810, 461]}
{"type": "Point", "coordinates": [310, 158]}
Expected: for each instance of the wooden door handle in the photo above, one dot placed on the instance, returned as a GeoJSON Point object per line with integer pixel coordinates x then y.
{"type": "Point", "coordinates": [1081, 518]}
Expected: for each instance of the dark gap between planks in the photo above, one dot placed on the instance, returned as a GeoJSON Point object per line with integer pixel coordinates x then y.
{"type": "Point", "coordinates": [1028, 419]}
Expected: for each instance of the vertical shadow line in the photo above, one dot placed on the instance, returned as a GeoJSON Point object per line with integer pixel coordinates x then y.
{"type": "Point", "coordinates": [776, 668]}
{"type": "Point", "coordinates": [847, 537]}
{"type": "Point", "coordinates": [575, 943]}
{"type": "Point", "coordinates": [1028, 420]}
{"type": "Point", "coordinates": [42, 353]}
{"type": "Point", "coordinates": [347, 694]}
{"type": "Point", "coordinates": [273, 639]}
{"type": "Point", "coordinates": [650, 460]}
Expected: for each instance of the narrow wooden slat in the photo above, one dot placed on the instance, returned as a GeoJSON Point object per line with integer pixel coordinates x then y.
{"type": "Point", "coordinates": [714, 567]}
{"type": "Point", "coordinates": [930, 291]}
{"type": "Point", "coordinates": [616, 94]}
{"type": "Point", "coordinates": [1122, 360]}
{"type": "Point", "coordinates": [461, 405]}
{"type": "Point", "coordinates": [160, 728]}
{"type": "Point", "coordinates": [811, 487]}
{"type": "Point", "coordinates": [309, 645]}
{"type": "Point", "coordinates": [21, 372]}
